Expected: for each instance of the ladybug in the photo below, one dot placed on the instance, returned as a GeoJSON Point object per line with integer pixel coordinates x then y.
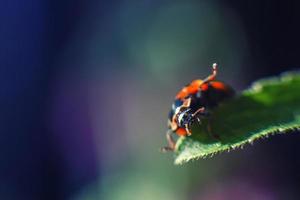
{"type": "Point", "coordinates": [193, 103]}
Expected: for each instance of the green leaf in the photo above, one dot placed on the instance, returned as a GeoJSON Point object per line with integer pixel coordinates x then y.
{"type": "Point", "coordinates": [270, 106]}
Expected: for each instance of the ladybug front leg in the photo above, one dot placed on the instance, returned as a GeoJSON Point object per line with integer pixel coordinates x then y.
{"type": "Point", "coordinates": [200, 110]}
{"type": "Point", "coordinates": [171, 142]}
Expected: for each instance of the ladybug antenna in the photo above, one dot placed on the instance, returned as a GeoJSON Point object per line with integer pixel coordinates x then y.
{"type": "Point", "coordinates": [213, 75]}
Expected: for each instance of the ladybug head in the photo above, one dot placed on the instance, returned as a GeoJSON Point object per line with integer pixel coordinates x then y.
{"type": "Point", "coordinates": [185, 118]}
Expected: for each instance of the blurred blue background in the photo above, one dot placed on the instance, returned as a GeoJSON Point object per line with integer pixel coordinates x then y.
{"type": "Point", "coordinates": [86, 87]}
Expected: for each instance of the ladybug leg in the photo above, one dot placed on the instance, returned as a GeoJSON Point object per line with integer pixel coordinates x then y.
{"type": "Point", "coordinates": [200, 110]}
{"type": "Point", "coordinates": [172, 124]}
{"type": "Point", "coordinates": [213, 75]}
{"type": "Point", "coordinates": [171, 142]}
{"type": "Point", "coordinates": [170, 139]}
{"type": "Point", "coordinates": [186, 103]}
{"type": "Point", "coordinates": [188, 130]}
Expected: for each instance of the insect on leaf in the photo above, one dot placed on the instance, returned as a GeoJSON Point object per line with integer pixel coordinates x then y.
{"type": "Point", "coordinates": [270, 106]}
